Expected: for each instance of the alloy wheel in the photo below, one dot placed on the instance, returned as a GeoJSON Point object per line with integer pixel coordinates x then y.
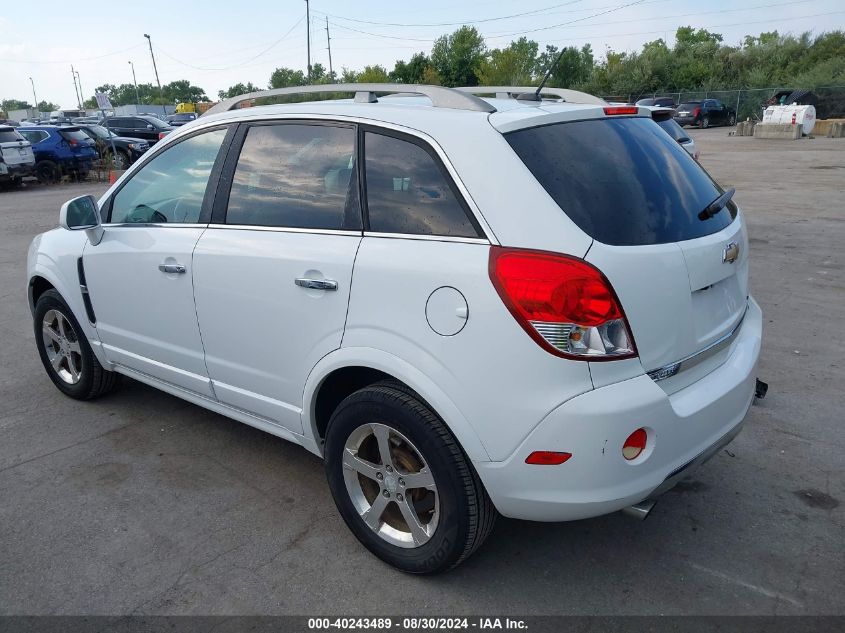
{"type": "Point", "coordinates": [391, 485]}
{"type": "Point", "coordinates": [61, 344]}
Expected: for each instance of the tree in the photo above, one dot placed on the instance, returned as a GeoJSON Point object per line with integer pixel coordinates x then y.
{"type": "Point", "coordinates": [124, 94]}
{"type": "Point", "coordinates": [285, 77]}
{"type": "Point", "coordinates": [237, 90]}
{"type": "Point", "coordinates": [515, 65]}
{"type": "Point", "coordinates": [47, 106]}
{"type": "Point", "coordinates": [373, 75]}
{"type": "Point", "coordinates": [348, 76]}
{"type": "Point", "coordinates": [15, 104]}
{"type": "Point", "coordinates": [456, 57]}
{"type": "Point", "coordinates": [411, 72]}
{"type": "Point", "coordinates": [181, 91]}
{"type": "Point", "coordinates": [574, 67]}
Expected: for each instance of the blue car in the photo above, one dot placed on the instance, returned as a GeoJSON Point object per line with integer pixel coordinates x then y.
{"type": "Point", "coordinates": [60, 151]}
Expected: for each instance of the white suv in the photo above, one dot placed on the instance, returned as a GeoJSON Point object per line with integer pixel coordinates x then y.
{"type": "Point", "coordinates": [466, 306]}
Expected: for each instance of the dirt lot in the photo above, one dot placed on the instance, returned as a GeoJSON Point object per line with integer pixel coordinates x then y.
{"type": "Point", "coordinates": [141, 503]}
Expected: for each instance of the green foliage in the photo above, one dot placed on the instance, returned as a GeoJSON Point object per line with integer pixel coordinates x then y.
{"type": "Point", "coordinates": [456, 57]}
{"type": "Point", "coordinates": [412, 72]}
{"type": "Point", "coordinates": [373, 74]}
{"type": "Point", "coordinates": [47, 106]}
{"type": "Point", "coordinates": [237, 90]}
{"type": "Point", "coordinates": [515, 65]}
{"type": "Point", "coordinates": [181, 91]}
{"type": "Point", "coordinates": [285, 77]}
{"type": "Point", "coordinates": [14, 104]}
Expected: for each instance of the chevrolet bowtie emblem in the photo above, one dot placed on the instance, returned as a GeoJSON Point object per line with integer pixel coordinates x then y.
{"type": "Point", "coordinates": [731, 253]}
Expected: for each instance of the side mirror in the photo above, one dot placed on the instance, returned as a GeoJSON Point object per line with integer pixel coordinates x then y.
{"type": "Point", "coordinates": [149, 126]}
{"type": "Point", "coordinates": [82, 214]}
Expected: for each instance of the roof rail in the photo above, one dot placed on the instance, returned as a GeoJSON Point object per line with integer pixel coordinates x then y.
{"type": "Point", "coordinates": [440, 96]}
{"type": "Point", "coordinates": [504, 92]}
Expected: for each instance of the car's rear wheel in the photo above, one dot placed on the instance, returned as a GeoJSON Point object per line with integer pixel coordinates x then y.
{"type": "Point", "coordinates": [47, 172]}
{"type": "Point", "coordinates": [66, 353]}
{"type": "Point", "coordinates": [402, 483]}
{"type": "Point", "coordinates": [732, 119]}
{"type": "Point", "coordinates": [121, 160]}
{"type": "Point", "coordinates": [705, 122]}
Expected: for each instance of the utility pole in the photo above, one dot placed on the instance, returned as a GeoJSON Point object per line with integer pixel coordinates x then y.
{"type": "Point", "coordinates": [81, 93]}
{"type": "Point", "coordinates": [135, 82]}
{"type": "Point", "coordinates": [308, 36]}
{"type": "Point", "coordinates": [33, 95]}
{"type": "Point", "coordinates": [75, 87]}
{"type": "Point", "coordinates": [149, 39]}
{"type": "Point", "coordinates": [329, 40]}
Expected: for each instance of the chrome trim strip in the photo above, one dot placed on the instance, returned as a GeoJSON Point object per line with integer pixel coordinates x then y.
{"type": "Point", "coordinates": [672, 369]}
{"type": "Point", "coordinates": [172, 225]}
{"type": "Point", "coordinates": [428, 238]}
{"type": "Point", "coordinates": [283, 229]}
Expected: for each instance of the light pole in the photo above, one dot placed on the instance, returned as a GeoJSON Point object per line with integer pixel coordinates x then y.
{"type": "Point", "coordinates": [135, 81]}
{"type": "Point", "coordinates": [33, 94]}
{"type": "Point", "coordinates": [308, 36]}
{"type": "Point", "coordinates": [81, 94]}
{"type": "Point", "coordinates": [160, 95]}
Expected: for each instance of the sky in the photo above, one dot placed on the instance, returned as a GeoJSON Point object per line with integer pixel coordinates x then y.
{"type": "Point", "coordinates": [216, 44]}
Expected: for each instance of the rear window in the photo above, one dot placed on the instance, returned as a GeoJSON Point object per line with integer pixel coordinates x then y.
{"type": "Point", "coordinates": [9, 136]}
{"type": "Point", "coordinates": [689, 105]}
{"type": "Point", "coordinates": [671, 127]}
{"type": "Point", "coordinates": [623, 181]}
{"type": "Point", "coordinates": [74, 134]}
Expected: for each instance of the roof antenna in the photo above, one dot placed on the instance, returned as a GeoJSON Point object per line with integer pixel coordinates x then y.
{"type": "Point", "coordinates": [535, 96]}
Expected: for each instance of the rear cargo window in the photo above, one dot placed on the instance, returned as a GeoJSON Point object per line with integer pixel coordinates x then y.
{"type": "Point", "coordinates": [75, 134]}
{"type": "Point", "coordinates": [9, 136]}
{"type": "Point", "coordinates": [624, 182]}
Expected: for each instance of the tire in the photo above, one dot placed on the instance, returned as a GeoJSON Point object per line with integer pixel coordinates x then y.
{"type": "Point", "coordinates": [92, 379]}
{"type": "Point", "coordinates": [705, 122]}
{"type": "Point", "coordinates": [47, 172]}
{"type": "Point", "coordinates": [121, 160]}
{"type": "Point", "coordinates": [732, 119]}
{"type": "Point", "coordinates": [454, 513]}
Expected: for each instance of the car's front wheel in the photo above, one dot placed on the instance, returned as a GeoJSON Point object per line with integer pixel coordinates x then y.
{"type": "Point", "coordinates": [66, 353]}
{"type": "Point", "coordinates": [402, 483]}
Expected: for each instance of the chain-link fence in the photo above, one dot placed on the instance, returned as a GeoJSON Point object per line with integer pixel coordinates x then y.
{"type": "Point", "coordinates": [750, 103]}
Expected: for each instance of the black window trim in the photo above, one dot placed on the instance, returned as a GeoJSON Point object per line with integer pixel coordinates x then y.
{"type": "Point", "coordinates": [210, 188]}
{"type": "Point", "coordinates": [227, 174]}
{"type": "Point", "coordinates": [480, 233]}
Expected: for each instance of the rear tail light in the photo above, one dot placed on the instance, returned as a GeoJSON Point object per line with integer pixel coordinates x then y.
{"type": "Point", "coordinates": [616, 110]}
{"type": "Point", "coordinates": [73, 141]}
{"type": "Point", "coordinates": [696, 112]}
{"type": "Point", "coordinates": [635, 444]}
{"type": "Point", "coordinates": [161, 135]}
{"type": "Point", "coordinates": [566, 305]}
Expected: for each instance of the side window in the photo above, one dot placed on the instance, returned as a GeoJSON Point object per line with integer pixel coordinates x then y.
{"type": "Point", "coordinates": [171, 186]}
{"type": "Point", "coordinates": [138, 124]}
{"type": "Point", "coordinates": [34, 136]}
{"type": "Point", "coordinates": [407, 191]}
{"type": "Point", "coordinates": [296, 176]}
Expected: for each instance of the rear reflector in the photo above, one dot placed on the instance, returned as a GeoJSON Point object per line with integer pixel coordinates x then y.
{"type": "Point", "coordinates": [563, 303]}
{"type": "Point", "coordinates": [635, 444]}
{"type": "Point", "coordinates": [547, 458]}
{"type": "Point", "coordinates": [615, 110]}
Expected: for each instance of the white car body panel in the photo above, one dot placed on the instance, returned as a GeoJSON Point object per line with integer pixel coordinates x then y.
{"type": "Point", "coordinates": [146, 319]}
{"type": "Point", "coordinates": [262, 333]}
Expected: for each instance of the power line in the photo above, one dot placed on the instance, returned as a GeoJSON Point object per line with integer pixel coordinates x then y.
{"type": "Point", "coordinates": [65, 61]}
{"type": "Point", "coordinates": [483, 20]}
{"type": "Point", "coordinates": [244, 63]}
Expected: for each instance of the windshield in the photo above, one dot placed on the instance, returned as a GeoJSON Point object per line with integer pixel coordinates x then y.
{"type": "Point", "coordinates": [690, 105]}
{"type": "Point", "coordinates": [623, 181]}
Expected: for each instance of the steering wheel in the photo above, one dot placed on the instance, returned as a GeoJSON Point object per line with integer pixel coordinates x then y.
{"type": "Point", "coordinates": [142, 214]}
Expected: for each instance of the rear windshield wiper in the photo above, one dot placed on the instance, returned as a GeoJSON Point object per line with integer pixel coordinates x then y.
{"type": "Point", "coordinates": [717, 205]}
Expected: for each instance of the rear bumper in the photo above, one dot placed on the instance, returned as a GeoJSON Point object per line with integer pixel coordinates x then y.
{"type": "Point", "coordinates": [684, 429]}
{"type": "Point", "coordinates": [686, 120]}
{"type": "Point", "coordinates": [18, 170]}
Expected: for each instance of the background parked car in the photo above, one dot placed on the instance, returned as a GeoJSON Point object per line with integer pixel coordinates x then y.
{"type": "Point", "coordinates": [16, 157]}
{"type": "Point", "coordinates": [662, 102]}
{"type": "Point", "coordinates": [664, 117]}
{"type": "Point", "coordinates": [60, 151]}
{"type": "Point", "coordinates": [705, 113]}
{"type": "Point", "coordinates": [127, 150]}
{"type": "Point", "coordinates": [181, 118]}
{"type": "Point", "coordinates": [142, 126]}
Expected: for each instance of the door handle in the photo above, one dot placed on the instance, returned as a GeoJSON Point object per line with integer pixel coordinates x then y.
{"type": "Point", "coordinates": [172, 268]}
{"type": "Point", "coordinates": [316, 284]}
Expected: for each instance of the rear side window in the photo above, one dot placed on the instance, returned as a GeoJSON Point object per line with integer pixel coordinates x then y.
{"type": "Point", "coordinates": [623, 181]}
{"type": "Point", "coordinates": [9, 136]}
{"type": "Point", "coordinates": [74, 134]}
{"type": "Point", "coordinates": [34, 136]}
{"type": "Point", "coordinates": [409, 192]}
{"type": "Point", "coordinates": [671, 127]}
{"type": "Point", "coordinates": [296, 176]}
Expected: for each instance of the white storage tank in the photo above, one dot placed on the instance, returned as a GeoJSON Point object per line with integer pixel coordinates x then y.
{"type": "Point", "coordinates": [805, 115]}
